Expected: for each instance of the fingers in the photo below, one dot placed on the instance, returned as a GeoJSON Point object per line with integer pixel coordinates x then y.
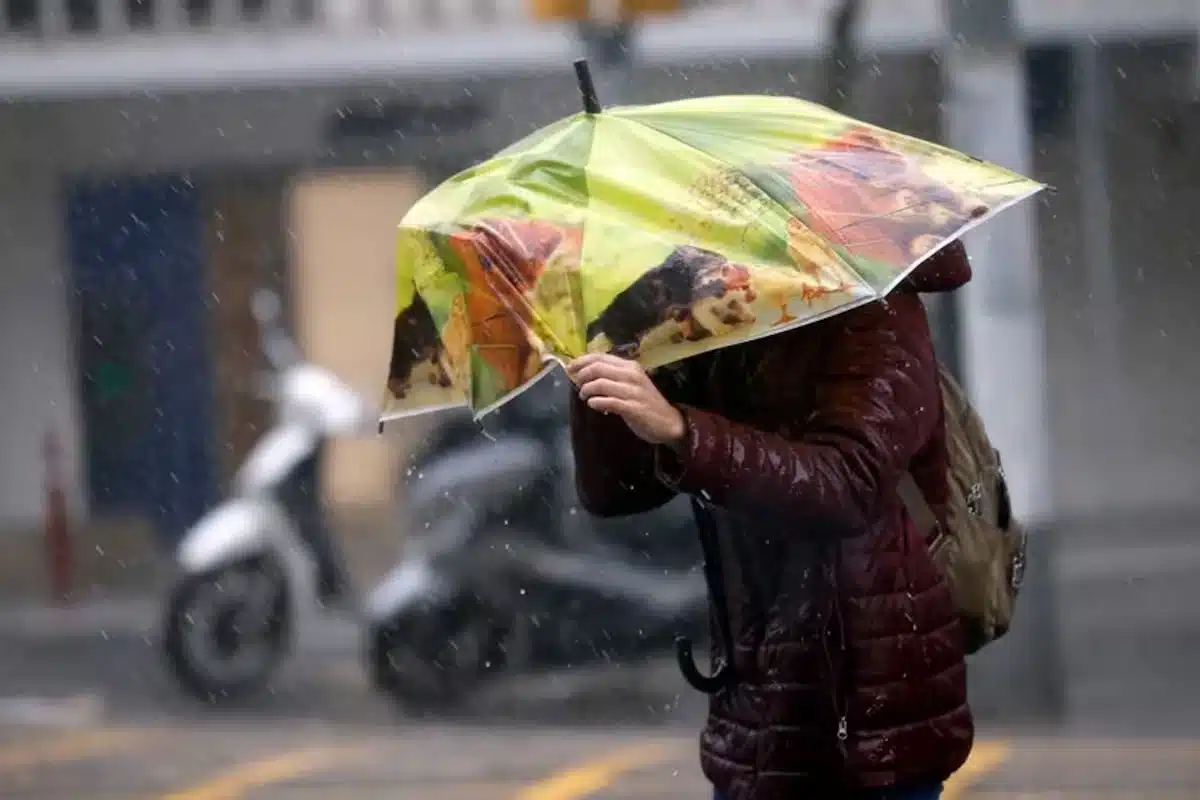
{"type": "Point", "coordinates": [612, 405]}
{"type": "Point", "coordinates": [605, 379]}
{"type": "Point", "coordinates": [611, 369]}
{"type": "Point", "coordinates": [606, 387]}
{"type": "Point", "coordinates": [592, 359]}
{"type": "Point", "coordinates": [611, 385]}
{"type": "Point", "coordinates": [581, 362]}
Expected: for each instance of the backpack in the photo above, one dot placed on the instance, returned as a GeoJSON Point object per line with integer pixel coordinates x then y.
{"type": "Point", "coordinates": [981, 548]}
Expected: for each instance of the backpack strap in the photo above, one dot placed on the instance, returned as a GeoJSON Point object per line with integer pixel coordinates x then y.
{"type": "Point", "coordinates": [918, 507]}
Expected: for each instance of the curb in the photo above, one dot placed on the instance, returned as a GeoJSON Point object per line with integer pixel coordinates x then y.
{"type": "Point", "coordinates": [133, 618]}
{"type": "Point", "coordinates": [141, 618]}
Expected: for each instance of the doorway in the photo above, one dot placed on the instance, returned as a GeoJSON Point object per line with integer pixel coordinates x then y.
{"type": "Point", "coordinates": [136, 247]}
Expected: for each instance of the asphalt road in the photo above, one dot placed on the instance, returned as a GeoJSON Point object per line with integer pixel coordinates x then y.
{"type": "Point", "coordinates": [263, 760]}
{"type": "Point", "coordinates": [94, 714]}
{"type": "Point", "coordinates": [183, 760]}
{"type": "Point", "coordinates": [87, 711]}
{"type": "Point", "coordinates": [96, 717]}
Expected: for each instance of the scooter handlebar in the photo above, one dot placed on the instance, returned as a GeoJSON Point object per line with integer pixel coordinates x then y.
{"type": "Point", "coordinates": [267, 308]}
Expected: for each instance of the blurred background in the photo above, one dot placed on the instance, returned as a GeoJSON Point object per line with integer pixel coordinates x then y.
{"type": "Point", "coordinates": [163, 159]}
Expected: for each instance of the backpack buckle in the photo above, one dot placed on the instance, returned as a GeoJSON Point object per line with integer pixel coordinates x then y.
{"type": "Point", "coordinates": [975, 500]}
{"type": "Point", "coordinates": [1017, 565]}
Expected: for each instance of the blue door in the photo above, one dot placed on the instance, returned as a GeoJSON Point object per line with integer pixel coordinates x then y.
{"type": "Point", "coordinates": [137, 253]}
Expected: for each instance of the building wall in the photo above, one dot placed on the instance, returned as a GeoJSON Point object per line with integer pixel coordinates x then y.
{"type": "Point", "coordinates": [342, 226]}
{"type": "Point", "coordinates": [1154, 243]}
{"type": "Point", "coordinates": [38, 392]}
{"type": "Point", "coordinates": [246, 251]}
{"type": "Point", "coordinates": [1124, 437]}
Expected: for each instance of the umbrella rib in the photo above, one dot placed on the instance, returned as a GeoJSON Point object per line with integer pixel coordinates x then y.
{"type": "Point", "coordinates": [870, 217]}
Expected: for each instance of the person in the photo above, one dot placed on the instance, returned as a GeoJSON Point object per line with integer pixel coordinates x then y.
{"type": "Point", "coordinates": [846, 646]}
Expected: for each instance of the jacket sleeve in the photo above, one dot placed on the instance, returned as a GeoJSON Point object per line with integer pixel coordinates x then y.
{"type": "Point", "coordinates": [614, 469]}
{"type": "Point", "coordinates": [876, 404]}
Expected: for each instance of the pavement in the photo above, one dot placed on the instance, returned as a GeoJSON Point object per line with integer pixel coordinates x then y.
{"type": "Point", "coordinates": [223, 759]}
{"type": "Point", "coordinates": [87, 710]}
{"type": "Point", "coordinates": [1129, 630]}
{"type": "Point", "coordinates": [94, 715]}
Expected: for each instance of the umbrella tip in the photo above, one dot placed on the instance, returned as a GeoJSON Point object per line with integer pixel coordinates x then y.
{"type": "Point", "coordinates": [587, 87]}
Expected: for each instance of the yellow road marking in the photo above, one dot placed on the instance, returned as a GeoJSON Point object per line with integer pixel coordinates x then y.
{"type": "Point", "coordinates": [257, 774]}
{"type": "Point", "coordinates": [1089, 794]}
{"type": "Point", "coordinates": [584, 780]}
{"type": "Point", "coordinates": [77, 746]}
{"type": "Point", "coordinates": [985, 758]}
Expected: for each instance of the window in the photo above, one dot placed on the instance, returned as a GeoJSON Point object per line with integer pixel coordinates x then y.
{"type": "Point", "coordinates": [21, 15]}
{"type": "Point", "coordinates": [254, 10]}
{"type": "Point", "coordinates": [83, 16]}
{"type": "Point", "coordinates": [140, 14]}
{"type": "Point", "coordinates": [199, 12]}
{"type": "Point", "coordinates": [304, 11]}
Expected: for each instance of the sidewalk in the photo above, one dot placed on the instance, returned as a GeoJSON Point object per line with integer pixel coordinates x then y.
{"type": "Point", "coordinates": [113, 555]}
{"type": "Point", "coordinates": [1129, 606]}
{"type": "Point", "coordinates": [1087, 559]}
{"type": "Point", "coordinates": [133, 616]}
{"type": "Point", "coordinates": [141, 617]}
{"type": "Point", "coordinates": [1081, 768]}
{"type": "Point", "coordinates": [1015, 766]}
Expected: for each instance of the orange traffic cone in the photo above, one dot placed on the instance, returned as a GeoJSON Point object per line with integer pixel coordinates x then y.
{"type": "Point", "coordinates": [58, 537]}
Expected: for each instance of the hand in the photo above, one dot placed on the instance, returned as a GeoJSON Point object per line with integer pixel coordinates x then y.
{"type": "Point", "coordinates": [615, 385]}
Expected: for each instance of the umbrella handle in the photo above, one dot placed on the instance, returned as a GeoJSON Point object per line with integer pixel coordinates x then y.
{"type": "Point", "coordinates": [722, 677]}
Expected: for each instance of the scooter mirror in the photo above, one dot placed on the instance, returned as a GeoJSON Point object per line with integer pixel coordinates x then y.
{"type": "Point", "coordinates": [266, 306]}
{"type": "Point", "coordinates": [267, 309]}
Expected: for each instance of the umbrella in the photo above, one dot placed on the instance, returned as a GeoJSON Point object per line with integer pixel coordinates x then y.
{"type": "Point", "coordinates": [662, 231]}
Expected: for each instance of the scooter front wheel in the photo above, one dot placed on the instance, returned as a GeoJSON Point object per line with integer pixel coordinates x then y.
{"type": "Point", "coordinates": [226, 630]}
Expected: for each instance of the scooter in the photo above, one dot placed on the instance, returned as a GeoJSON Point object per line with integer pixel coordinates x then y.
{"type": "Point", "coordinates": [504, 573]}
{"type": "Point", "coordinates": [248, 570]}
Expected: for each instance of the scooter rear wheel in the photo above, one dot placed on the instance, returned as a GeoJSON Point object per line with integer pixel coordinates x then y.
{"type": "Point", "coordinates": [226, 631]}
{"type": "Point", "coordinates": [432, 660]}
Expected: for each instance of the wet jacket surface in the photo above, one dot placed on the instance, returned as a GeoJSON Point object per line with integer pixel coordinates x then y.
{"type": "Point", "coordinates": [846, 644]}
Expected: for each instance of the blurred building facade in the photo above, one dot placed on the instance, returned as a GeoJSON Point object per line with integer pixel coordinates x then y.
{"type": "Point", "coordinates": [201, 148]}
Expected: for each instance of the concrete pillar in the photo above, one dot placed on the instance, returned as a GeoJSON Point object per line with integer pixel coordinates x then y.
{"type": "Point", "coordinates": [1001, 324]}
{"type": "Point", "coordinates": [114, 20]}
{"type": "Point", "coordinates": [226, 13]}
{"type": "Point", "coordinates": [53, 18]}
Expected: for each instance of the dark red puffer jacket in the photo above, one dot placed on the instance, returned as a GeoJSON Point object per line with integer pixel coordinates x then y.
{"type": "Point", "coordinates": [840, 620]}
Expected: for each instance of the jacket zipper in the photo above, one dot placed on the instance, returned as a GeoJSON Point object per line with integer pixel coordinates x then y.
{"type": "Point", "coordinates": [841, 703]}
